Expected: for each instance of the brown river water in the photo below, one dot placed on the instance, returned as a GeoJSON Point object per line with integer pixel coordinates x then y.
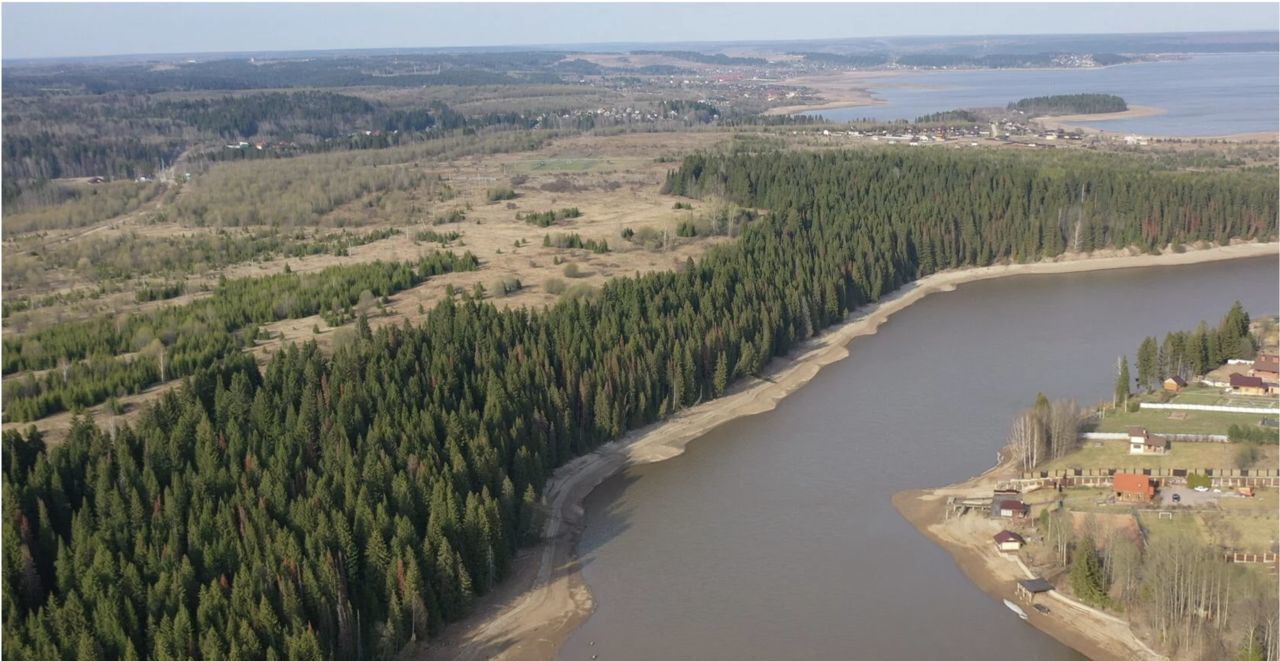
{"type": "Point", "coordinates": [773, 536]}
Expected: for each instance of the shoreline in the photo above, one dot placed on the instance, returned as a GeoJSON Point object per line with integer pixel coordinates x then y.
{"type": "Point", "coordinates": [1083, 629]}
{"type": "Point", "coordinates": [539, 606]}
{"type": "Point", "coordinates": [1069, 122]}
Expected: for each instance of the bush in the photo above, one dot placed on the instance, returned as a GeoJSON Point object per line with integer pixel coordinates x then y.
{"type": "Point", "coordinates": [554, 286]}
{"type": "Point", "coordinates": [507, 286]}
{"type": "Point", "coordinates": [572, 270]}
{"type": "Point", "coordinates": [1247, 456]}
{"type": "Point", "coordinates": [454, 216]}
{"type": "Point", "coordinates": [581, 291]}
{"type": "Point", "coordinates": [500, 194]}
{"type": "Point", "coordinates": [1253, 435]}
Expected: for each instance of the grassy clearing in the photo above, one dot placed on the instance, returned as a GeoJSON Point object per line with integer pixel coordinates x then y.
{"type": "Point", "coordinates": [1115, 454]}
{"type": "Point", "coordinates": [1179, 526]}
{"type": "Point", "coordinates": [546, 165]}
{"type": "Point", "coordinates": [1176, 422]}
{"type": "Point", "coordinates": [1216, 397]}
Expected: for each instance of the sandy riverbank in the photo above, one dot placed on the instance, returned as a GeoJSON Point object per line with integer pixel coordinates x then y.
{"type": "Point", "coordinates": [840, 90]}
{"type": "Point", "coordinates": [1071, 122]}
{"type": "Point", "coordinates": [535, 610]}
{"type": "Point", "coordinates": [968, 540]}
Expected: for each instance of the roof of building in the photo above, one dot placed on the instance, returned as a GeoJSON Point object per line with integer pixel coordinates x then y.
{"type": "Point", "coordinates": [1266, 366]}
{"type": "Point", "coordinates": [1242, 381]}
{"type": "Point", "coordinates": [1036, 585]}
{"type": "Point", "coordinates": [1013, 505]}
{"type": "Point", "coordinates": [1009, 536]}
{"type": "Point", "coordinates": [1137, 432]}
{"type": "Point", "coordinates": [1177, 379]}
{"type": "Point", "coordinates": [1133, 483]}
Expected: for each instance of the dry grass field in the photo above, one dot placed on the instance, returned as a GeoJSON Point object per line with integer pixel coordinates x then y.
{"type": "Point", "coordinates": [614, 181]}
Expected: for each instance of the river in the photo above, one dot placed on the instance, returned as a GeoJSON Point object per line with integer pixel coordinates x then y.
{"type": "Point", "coordinates": [1204, 95]}
{"type": "Point", "coordinates": [773, 536]}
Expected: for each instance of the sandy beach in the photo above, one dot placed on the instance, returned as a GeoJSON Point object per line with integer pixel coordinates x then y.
{"type": "Point", "coordinates": [1090, 632]}
{"type": "Point", "coordinates": [1070, 122]}
{"type": "Point", "coordinates": [534, 611]}
{"type": "Point", "coordinates": [840, 90]}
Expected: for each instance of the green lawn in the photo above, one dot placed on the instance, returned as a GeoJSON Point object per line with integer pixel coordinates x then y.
{"type": "Point", "coordinates": [1176, 422]}
{"type": "Point", "coordinates": [1115, 454]}
{"type": "Point", "coordinates": [1215, 397]}
{"type": "Point", "coordinates": [1179, 525]}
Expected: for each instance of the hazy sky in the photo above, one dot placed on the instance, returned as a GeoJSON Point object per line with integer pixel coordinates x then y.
{"type": "Point", "coordinates": [53, 30]}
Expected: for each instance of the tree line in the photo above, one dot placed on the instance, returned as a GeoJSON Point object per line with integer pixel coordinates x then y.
{"type": "Point", "coordinates": [1070, 104]}
{"type": "Point", "coordinates": [347, 505]}
{"type": "Point", "coordinates": [1187, 354]}
{"type": "Point", "coordinates": [85, 360]}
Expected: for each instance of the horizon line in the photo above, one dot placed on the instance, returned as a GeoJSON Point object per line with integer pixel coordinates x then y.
{"type": "Point", "coordinates": [582, 46]}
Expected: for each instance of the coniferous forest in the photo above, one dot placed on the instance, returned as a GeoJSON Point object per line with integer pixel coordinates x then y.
{"type": "Point", "coordinates": [344, 505]}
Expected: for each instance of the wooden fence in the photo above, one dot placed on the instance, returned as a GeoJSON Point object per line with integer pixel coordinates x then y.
{"type": "Point", "coordinates": [1095, 477]}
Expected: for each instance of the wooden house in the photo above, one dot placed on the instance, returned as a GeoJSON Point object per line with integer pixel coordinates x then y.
{"type": "Point", "coordinates": [1028, 588]}
{"type": "Point", "coordinates": [1143, 442]}
{"type": "Point", "coordinates": [1248, 385]}
{"type": "Point", "coordinates": [1175, 383]}
{"type": "Point", "coordinates": [1133, 487]}
{"type": "Point", "coordinates": [1004, 507]}
{"type": "Point", "coordinates": [1008, 541]}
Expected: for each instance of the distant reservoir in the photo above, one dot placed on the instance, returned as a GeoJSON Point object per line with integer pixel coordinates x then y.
{"type": "Point", "coordinates": [1204, 95]}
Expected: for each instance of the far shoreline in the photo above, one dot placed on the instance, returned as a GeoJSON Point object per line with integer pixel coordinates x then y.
{"type": "Point", "coordinates": [535, 611]}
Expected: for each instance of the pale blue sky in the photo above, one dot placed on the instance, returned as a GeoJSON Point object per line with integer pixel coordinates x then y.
{"type": "Point", "coordinates": [57, 30]}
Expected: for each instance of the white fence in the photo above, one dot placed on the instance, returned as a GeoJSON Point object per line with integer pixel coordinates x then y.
{"type": "Point", "coordinates": [1186, 438]}
{"type": "Point", "coordinates": [1206, 407]}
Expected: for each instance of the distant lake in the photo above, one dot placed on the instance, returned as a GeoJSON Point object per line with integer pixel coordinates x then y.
{"type": "Point", "coordinates": [1205, 95]}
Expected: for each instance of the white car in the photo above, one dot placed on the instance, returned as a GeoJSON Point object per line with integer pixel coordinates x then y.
{"type": "Point", "coordinates": [1202, 489]}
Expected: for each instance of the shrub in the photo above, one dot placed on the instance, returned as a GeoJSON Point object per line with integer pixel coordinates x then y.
{"type": "Point", "coordinates": [454, 216]}
{"type": "Point", "coordinates": [1247, 455]}
{"type": "Point", "coordinates": [554, 286]}
{"type": "Point", "coordinates": [1257, 435]}
{"type": "Point", "coordinates": [506, 286]}
{"type": "Point", "coordinates": [500, 194]}
{"type": "Point", "coordinates": [572, 270]}
{"type": "Point", "coordinates": [1197, 480]}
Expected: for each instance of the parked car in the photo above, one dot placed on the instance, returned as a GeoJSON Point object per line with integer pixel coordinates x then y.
{"type": "Point", "coordinates": [1202, 489]}
{"type": "Point", "coordinates": [1177, 498]}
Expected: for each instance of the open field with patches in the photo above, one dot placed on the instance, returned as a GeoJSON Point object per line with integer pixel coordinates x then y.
{"type": "Point", "coordinates": [613, 181]}
{"type": "Point", "coordinates": [1163, 421]}
{"type": "Point", "coordinates": [1115, 454]}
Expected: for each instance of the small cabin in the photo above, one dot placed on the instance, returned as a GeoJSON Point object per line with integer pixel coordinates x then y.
{"type": "Point", "coordinates": [1028, 588]}
{"type": "Point", "coordinates": [1248, 385]}
{"type": "Point", "coordinates": [1143, 442]}
{"type": "Point", "coordinates": [1175, 383]}
{"type": "Point", "coordinates": [1008, 541]}
{"type": "Point", "coordinates": [1003, 507]}
{"type": "Point", "coordinates": [1134, 487]}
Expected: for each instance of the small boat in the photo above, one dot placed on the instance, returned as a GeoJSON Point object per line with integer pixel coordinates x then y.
{"type": "Point", "coordinates": [1016, 609]}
